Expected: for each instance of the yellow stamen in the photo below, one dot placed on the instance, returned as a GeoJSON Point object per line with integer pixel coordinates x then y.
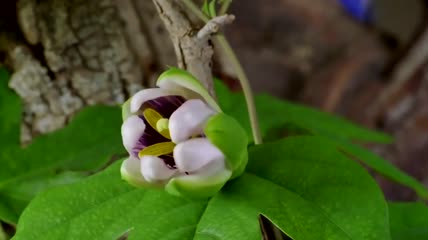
{"type": "Point", "coordinates": [162, 126]}
{"type": "Point", "coordinates": [155, 119]}
{"type": "Point", "coordinates": [158, 149]}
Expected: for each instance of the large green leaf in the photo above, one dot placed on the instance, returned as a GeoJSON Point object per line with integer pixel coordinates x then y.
{"type": "Point", "coordinates": [275, 113]}
{"type": "Point", "coordinates": [85, 145]}
{"type": "Point", "coordinates": [15, 197]}
{"type": "Point", "coordinates": [3, 235]}
{"type": "Point", "coordinates": [305, 187]}
{"type": "Point", "coordinates": [409, 221]}
{"type": "Point", "coordinates": [384, 167]}
{"type": "Point", "coordinates": [311, 195]}
{"type": "Point", "coordinates": [105, 207]}
{"type": "Point", "coordinates": [10, 112]}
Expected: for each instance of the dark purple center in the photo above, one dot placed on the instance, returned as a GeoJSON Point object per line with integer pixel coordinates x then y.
{"type": "Point", "coordinates": [164, 105]}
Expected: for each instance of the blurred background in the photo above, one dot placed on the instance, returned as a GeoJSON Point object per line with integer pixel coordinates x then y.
{"type": "Point", "coordinates": [362, 59]}
{"type": "Point", "coordinates": [366, 60]}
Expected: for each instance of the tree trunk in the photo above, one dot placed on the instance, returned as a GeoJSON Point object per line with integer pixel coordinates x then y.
{"type": "Point", "coordinates": [78, 53]}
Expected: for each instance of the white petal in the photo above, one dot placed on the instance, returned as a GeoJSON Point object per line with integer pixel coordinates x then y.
{"type": "Point", "coordinates": [132, 129]}
{"type": "Point", "coordinates": [154, 169]}
{"type": "Point", "coordinates": [195, 154]}
{"type": "Point", "coordinates": [212, 168]}
{"type": "Point", "coordinates": [188, 119]}
{"type": "Point", "coordinates": [130, 171]}
{"type": "Point", "coordinates": [145, 95]}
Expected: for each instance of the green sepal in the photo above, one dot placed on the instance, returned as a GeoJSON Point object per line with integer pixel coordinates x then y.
{"type": "Point", "coordinates": [185, 84]}
{"type": "Point", "coordinates": [196, 186]}
{"type": "Point", "coordinates": [228, 135]}
{"type": "Point", "coordinates": [126, 109]}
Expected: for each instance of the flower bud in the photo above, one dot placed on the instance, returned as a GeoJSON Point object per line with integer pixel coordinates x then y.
{"type": "Point", "coordinates": [178, 138]}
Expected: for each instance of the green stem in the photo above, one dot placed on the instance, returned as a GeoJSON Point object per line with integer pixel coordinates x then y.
{"type": "Point", "coordinates": [242, 77]}
{"type": "Point", "coordinates": [246, 88]}
{"type": "Point", "coordinates": [224, 7]}
{"type": "Point", "coordinates": [189, 4]}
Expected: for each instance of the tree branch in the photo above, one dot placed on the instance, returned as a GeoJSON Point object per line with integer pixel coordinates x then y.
{"type": "Point", "coordinates": [246, 88]}
{"type": "Point", "coordinates": [193, 54]}
{"type": "Point", "coordinates": [214, 25]}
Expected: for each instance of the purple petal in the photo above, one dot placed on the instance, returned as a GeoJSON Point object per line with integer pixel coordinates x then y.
{"type": "Point", "coordinates": [149, 137]}
{"type": "Point", "coordinates": [165, 105]}
{"type": "Point", "coordinates": [169, 161]}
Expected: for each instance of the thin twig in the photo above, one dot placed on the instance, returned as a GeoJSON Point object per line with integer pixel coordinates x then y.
{"type": "Point", "coordinates": [214, 25]}
{"type": "Point", "coordinates": [242, 77]}
{"type": "Point", "coordinates": [193, 54]}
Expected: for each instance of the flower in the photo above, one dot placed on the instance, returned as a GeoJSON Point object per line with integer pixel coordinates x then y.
{"type": "Point", "coordinates": [178, 138]}
{"type": "Point", "coordinates": [361, 10]}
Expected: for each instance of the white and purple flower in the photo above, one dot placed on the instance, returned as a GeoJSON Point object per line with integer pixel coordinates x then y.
{"type": "Point", "coordinates": [177, 137]}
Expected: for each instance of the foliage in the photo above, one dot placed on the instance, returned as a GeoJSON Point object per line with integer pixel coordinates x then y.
{"type": "Point", "coordinates": [307, 182]}
{"type": "Point", "coordinates": [310, 195]}
{"type": "Point", "coordinates": [408, 221]}
{"type": "Point", "coordinates": [86, 144]}
{"type": "Point", "coordinates": [274, 114]}
{"type": "Point", "coordinates": [10, 112]}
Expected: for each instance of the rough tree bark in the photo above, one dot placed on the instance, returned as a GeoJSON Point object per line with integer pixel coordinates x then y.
{"type": "Point", "coordinates": [193, 54]}
{"type": "Point", "coordinates": [77, 53]}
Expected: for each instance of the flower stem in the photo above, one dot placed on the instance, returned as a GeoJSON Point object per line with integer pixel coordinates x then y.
{"type": "Point", "coordinates": [242, 77]}
{"type": "Point", "coordinates": [246, 88]}
{"type": "Point", "coordinates": [224, 7]}
{"type": "Point", "coordinates": [195, 10]}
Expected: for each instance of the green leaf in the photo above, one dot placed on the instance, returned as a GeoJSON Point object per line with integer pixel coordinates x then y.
{"type": "Point", "coordinates": [304, 186]}
{"type": "Point", "coordinates": [275, 113]}
{"type": "Point", "coordinates": [7, 214]}
{"type": "Point", "coordinates": [15, 198]}
{"type": "Point", "coordinates": [3, 235]}
{"type": "Point", "coordinates": [85, 145]}
{"type": "Point", "coordinates": [105, 207]}
{"type": "Point", "coordinates": [310, 195]}
{"type": "Point", "coordinates": [409, 221]}
{"type": "Point", "coordinates": [10, 112]}
{"type": "Point", "coordinates": [384, 167]}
